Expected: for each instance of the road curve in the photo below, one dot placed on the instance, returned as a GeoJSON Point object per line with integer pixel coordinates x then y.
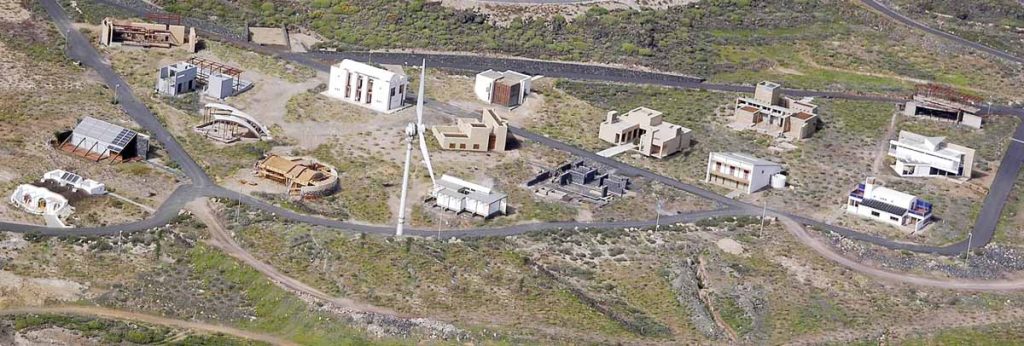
{"type": "Point", "coordinates": [129, 316]}
{"type": "Point", "coordinates": [82, 49]}
{"type": "Point", "coordinates": [888, 12]}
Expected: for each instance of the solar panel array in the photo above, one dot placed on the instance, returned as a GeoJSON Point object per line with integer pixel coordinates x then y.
{"type": "Point", "coordinates": [116, 137]}
{"type": "Point", "coordinates": [70, 177]}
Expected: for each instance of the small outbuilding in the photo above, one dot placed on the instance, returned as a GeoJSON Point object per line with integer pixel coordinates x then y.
{"type": "Point", "coordinates": [507, 88]}
{"type": "Point", "coordinates": [451, 193]}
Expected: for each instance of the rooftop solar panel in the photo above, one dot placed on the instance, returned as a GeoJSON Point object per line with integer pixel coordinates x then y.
{"type": "Point", "coordinates": [115, 136]}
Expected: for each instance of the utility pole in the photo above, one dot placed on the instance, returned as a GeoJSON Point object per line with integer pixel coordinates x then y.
{"type": "Point", "coordinates": [657, 212]}
{"type": "Point", "coordinates": [764, 214]}
{"type": "Point", "coordinates": [967, 251]}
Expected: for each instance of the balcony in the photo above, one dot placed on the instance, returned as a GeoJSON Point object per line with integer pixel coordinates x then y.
{"type": "Point", "coordinates": [921, 208]}
{"type": "Point", "coordinates": [858, 193]}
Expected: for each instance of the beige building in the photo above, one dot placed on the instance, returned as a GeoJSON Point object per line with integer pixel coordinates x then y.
{"type": "Point", "coordinates": [487, 134]}
{"type": "Point", "coordinates": [302, 176]}
{"type": "Point", "coordinates": [116, 32]}
{"type": "Point", "coordinates": [771, 113]}
{"type": "Point", "coordinates": [644, 127]}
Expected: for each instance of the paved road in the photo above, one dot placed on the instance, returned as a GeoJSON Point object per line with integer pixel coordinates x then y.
{"type": "Point", "coordinates": [203, 187]}
{"type": "Point", "coordinates": [888, 12]}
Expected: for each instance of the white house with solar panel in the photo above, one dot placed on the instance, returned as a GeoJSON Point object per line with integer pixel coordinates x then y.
{"type": "Point", "coordinates": [75, 182]}
{"type": "Point", "coordinates": [906, 211]}
{"type": "Point", "coordinates": [99, 140]}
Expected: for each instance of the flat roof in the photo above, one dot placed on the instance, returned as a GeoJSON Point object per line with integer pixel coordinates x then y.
{"type": "Point", "coordinates": [467, 190]}
{"type": "Point", "coordinates": [366, 69]}
{"type": "Point", "coordinates": [936, 145]}
{"type": "Point", "coordinates": [744, 158]}
{"type": "Point", "coordinates": [803, 116]}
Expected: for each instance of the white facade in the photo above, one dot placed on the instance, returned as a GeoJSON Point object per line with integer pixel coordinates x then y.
{"type": "Point", "coordinates": [176, 79]}
{"type": "Point", "coordinates": [741, 171]}
{"type": "Point", "coordinates": [77, 182]}
{"type": "Point", "coordinates": [459, 195]}
{"type": "Point", "coordinates": [889, 206]}
{"type": "Point", "coordinates": [220, 86]}
{"type": "Point", "coordinates": [371, 87]}
{"type": "Point", "coordinates": [921, 156]}
{"type": "Point", "coordinates": [40, 201]}
{"type": "Point", "coordinates": [484, 86]}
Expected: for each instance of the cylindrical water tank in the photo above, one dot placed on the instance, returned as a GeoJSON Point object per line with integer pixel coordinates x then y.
{"type": "Point", "coordinates": [778, 181]}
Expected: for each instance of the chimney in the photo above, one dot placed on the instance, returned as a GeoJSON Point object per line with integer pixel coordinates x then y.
{"type": "Point", "coordinates": [869, 186]}
{"type": "Point", "coordinates": [612, 117]}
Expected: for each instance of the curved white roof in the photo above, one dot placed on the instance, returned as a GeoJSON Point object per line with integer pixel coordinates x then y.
{"type": "Point", "coordinates": [239, 117]}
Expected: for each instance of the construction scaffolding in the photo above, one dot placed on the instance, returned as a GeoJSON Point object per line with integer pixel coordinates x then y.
{"type": "Point", "coordinates": [212, 73]}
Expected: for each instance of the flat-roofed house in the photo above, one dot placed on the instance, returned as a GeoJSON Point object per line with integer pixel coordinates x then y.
{"type": "Point", "coordinates": [644, 127]}
{"type": "Point", "coordinates": [892, 207]}
{"type": "Point", "coordinates": [772, 113]}
{"type": "Point", "coordinates": [507, 88]}
{"type": "Point", "coordinates": [368, 86]}
{"type": "Point", "coordinates": [76, 182]}
{"type": "Point", "coordinates": [458, 195]}
{"type": "Point", "coordinates": [741, 171]}
{"type": "Point", "coordinates": [176, 79]}
{"type": "Point", "coordinates": [489, 133]}
{"type": "Point", "coordinates": [922, 156]}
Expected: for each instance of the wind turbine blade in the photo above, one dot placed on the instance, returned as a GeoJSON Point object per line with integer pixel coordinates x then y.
{"type": "Point", "coordinates": [419, 95]}
{"type": "Point", "coordinates": [426, 157]}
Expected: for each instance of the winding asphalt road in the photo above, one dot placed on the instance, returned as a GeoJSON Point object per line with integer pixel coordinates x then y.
{"type": "Point", "coordinates": [201, 185]}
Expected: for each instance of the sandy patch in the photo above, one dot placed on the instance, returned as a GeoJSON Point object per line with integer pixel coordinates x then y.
{"type": "Point", "coordinates": [730, 246]}
{"type": "Point", "coordinates": [15, 76]}
{"type": "Point", "coordinates": [11, 11]}
{"type": "Point", "coordinates": [19, 290]}
{"type": "Point", "coordinates": [803, 273]}
{"type": "Point", "coordinates": [54, 336]}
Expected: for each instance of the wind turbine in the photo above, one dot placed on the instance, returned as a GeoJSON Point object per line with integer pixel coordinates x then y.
{"type": "Point", "coordinates": [412, 131]}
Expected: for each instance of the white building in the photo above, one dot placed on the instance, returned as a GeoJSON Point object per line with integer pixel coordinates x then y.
{"type": "Point", "coordinates": [741, 171]}
{"type": "Point", "coordinates": [176, 79]}
{"type": "Point", "coordinates": [922, 156]}
{"type": "Point", "coordinates": [459, 195]}
{"type": "Point", "coordinates": [77, 182]}
{"type": "Point", "coordinates": [889, 206]}
{"type": "Point", "coordinates": [507, 88]}
{"type": "Point", "coordinates": [40, 201]}
{"type": "Point", "coordinates": [368, 86]}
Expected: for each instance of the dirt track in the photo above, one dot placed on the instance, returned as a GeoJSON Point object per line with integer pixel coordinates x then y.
{"type": "Point", "coordinates": [150, 319]}
{"type": "Point", "coordinates": [956, 284]}
{"type": "Point", "coordinates": [221, 239]}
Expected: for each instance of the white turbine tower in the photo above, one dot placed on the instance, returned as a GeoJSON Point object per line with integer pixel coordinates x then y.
{"type": "Point", "coordinates": [412, 131]}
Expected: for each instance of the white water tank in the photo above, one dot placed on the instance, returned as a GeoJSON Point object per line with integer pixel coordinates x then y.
{"type": "Point", "coordinates": [778, 181]}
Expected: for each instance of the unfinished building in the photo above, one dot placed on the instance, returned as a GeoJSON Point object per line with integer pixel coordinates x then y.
{"type": "Point", "coordinates": [227, 124]}
{"type": "Point", "coordinates": [266, 36]}
{"type": "Point", "coordinates": [945, 104]}
{"type": "Point", "coordinates": [489, 133]}
{"type": "Point", "coordinates": [771, 113]}
{"type": "Point", "coordinates": [645, 128]}
{"type": "Point", "coordinates": [507, 88]}
{"type": "Point", "coordinates": [162, 35]}
{"type": "Point", "coordinates": [98, 140]}
{"type": "Point", "coordinates": [217, 80]}
{"type": "Point", "coordinates": [579, 180]}
{"type": "Point", "coordinates": [303, 177]}
{"type": "Point", "coordinates": [176, 79]}
{"type": "Point", "coordinates": [454, 194]}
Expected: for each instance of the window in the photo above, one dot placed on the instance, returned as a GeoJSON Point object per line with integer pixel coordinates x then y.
{"type": "Point", "coordinates": [476, 146]}
{"type": "Point", "coordinates": [392, 92]}
{"type": "Point", "coordinates": [348, 87]}
{"type": "Point", "coordinates": [451, 145]}
{"type": "Point", "coordinates": [401, 89]}
{"type": "Point", "coordinates": [462, 146]}
{"type": "Point", "coordinates": [875, 214]}
{"type": "Point", "coordinates": [893, 218]}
